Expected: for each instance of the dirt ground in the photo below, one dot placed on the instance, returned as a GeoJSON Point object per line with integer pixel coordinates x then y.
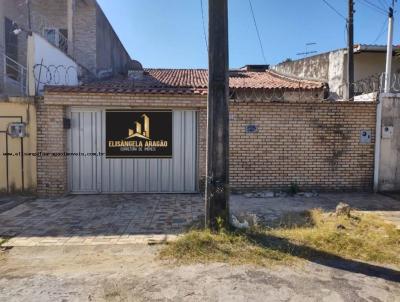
{"type": "Point", "coordinates": [134, 273]}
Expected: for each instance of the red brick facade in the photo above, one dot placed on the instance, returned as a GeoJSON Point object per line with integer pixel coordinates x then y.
{"type": "Point", "coordinates": [314, 144]}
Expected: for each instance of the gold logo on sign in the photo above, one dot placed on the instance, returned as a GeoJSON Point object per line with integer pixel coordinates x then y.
{"type": "Point", "coordinates": [142, 130]}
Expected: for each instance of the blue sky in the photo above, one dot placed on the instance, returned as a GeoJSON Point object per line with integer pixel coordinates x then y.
{"type": "Point", "coordinates": [169, 33]}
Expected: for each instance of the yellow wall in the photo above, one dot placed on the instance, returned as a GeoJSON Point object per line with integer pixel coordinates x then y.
{"type": "Point", "coordinates": [27, 111]}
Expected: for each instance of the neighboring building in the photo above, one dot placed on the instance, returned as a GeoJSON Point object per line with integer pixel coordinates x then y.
{"type": "Point", "coordinates": [331, 67]}
{"type": "Point", "coordinates": [78, 29]}
{"type": "Point", "coordinates": [282, 131]}
{"type": "Point", "coordinates": [46, 42]}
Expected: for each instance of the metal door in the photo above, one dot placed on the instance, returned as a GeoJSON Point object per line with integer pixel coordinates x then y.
{"type": "Point", "coordinates": [90, 173]}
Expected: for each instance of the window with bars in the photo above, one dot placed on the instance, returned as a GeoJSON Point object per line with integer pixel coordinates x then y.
{"type": "Point", "coordinates": [57, 37]}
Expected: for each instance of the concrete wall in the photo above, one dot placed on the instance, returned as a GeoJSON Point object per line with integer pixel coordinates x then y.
{"type": "Point", "coordinates": [17, 12]}
{"type": "Point", "coordinates": [327, 67]}
{"type": "Point", "coordinates": [389, 172]}
{"type": "Point", "coordinates": [332, 68]}
{"type": "Point", "coordinates": [371, 63]}
{"type": "Point", "coordinates": [110, 53]}
{"type": "Point", "coordinates": [43, 54]}
{"type": "Point", "coordinates": [314, 67]}
{"type": "Point", "coordinates": [337, 76]}
{"type": "Point", "coordinates": [13, 110]}
{"type": "Point", "coordinates": [96, 45]}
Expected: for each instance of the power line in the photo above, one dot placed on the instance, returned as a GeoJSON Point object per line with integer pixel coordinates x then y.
{"type": "Point", "coordinates": [384, 4]}
{"type": "Point", "coordinates": [334, 9]}
{"type": "Point", "coordinates": [374, 7]}
{"type": "Point", "coordinates": [381, 32]}
{"type": "Point", "coordinates": [258, 32]}
{"type": "Point", "coordinates": [204, 24]}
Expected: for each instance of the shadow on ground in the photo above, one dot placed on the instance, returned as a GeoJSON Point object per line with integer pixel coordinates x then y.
{"type": "Point", "coordinates": [324, 258]}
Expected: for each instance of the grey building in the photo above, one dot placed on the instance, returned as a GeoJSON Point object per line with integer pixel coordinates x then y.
{"type": "Point", "coordinates": [330, 67]}
{"type": "Point", "coordinates": [78, 28]}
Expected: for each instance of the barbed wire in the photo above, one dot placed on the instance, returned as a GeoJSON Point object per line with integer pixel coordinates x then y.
{"type": "Point", "coordinates": [365, 89]}
{"type": "Point", "coordinates": [55, 75]}
{"type": "Point", "coordinates": [277, 95]}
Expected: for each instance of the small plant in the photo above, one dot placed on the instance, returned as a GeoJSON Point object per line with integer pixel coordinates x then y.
{"type": "Point", "coordinates": [310, 235]}
{"type": "Point", "coordinates": [220, 224]}
{"type": "Point", "coordinates": [294, 188]}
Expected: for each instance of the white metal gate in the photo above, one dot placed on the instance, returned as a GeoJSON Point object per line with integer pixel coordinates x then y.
{"type": "Point", "coordinates": [96, 174]}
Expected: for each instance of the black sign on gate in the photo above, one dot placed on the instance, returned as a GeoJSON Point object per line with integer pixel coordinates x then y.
{"type": "Point", "coordinates": [138, 134]}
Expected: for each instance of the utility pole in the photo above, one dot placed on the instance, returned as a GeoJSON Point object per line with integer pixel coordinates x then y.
{"type": "Point", "coordinates": [389, 50]}
{"type": "Point", "coordinates": [387, 88]}
{"type": "Point", "coordinates": [217, 182]}
{"type": "Point", "coordinates": [350, 52]}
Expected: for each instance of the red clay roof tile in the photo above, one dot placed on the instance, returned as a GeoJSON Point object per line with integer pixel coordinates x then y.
{"type": "Point", "coordinates": [189, 81]}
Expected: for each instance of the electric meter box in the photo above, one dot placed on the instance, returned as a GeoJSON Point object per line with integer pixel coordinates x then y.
{"type": "Point", "coordinates": [17, 130]}
{"type": "Point", "coordinates": [387, 132]}
{"type": "Point", "coordinates": [365, 136]}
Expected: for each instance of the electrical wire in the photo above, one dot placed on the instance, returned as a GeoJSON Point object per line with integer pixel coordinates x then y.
{"type": "Point", "coordinates": [334, 9]}
{"type": "Point", "coordinates": [258, 32]}
{"type": "Point", "coordinates": [373, 7]}
{"type": "Point", "coordinates": [381, 32]}
{"type": "Point", "coordinates": [384, 4]}
{"type": "Point", "coordinates": [204, 24]}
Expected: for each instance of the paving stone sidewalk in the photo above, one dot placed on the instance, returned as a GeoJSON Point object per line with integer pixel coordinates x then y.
{"type": "Point", "coordinates": [143, 218]}
{"type": "Point", "coordinates": [100, 219]}
{"type": "Point", "coordinates": [270, 209]}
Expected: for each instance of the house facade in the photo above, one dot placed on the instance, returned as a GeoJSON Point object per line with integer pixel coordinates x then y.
{"type": "Point", "coordinates": [135, 130]}
{"type": "Point", "coordinates": [331, 67]}
{"type": "Point", "coordinates": [58, 42]}
{"type": "Point", "coordinates": [282, 131]}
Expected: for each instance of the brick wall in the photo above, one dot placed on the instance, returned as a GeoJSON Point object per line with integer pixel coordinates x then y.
{"type": "Point", "coordinates": [51, 138]}
{"type": "Point", "coordinates": [54, 13]}
{"type": "Point", "coordinates": [315, 144]}
{"type": "Point", "coordinates": [85, 35]}
{"type": "Point", "coordinates": [52, 172]}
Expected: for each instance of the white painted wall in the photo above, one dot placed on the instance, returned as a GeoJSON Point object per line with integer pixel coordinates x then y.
{"type": "Point", "coordinates": [48, 65]}
{"type": "Point", "coordinates": [337, 73]}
